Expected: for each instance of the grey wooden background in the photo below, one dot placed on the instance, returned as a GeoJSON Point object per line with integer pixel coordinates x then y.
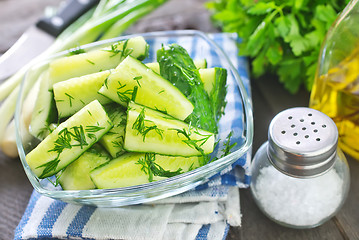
{"type": "Point", "coordinates": [269, 98]}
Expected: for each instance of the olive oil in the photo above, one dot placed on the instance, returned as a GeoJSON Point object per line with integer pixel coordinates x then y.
{"type": "Point", "coordinates": [336, 93]}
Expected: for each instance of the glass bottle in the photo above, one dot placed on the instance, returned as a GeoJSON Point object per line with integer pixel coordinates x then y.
{"type": "Point", "coordinates": [300, 178]}
{"type": "Point", "coordinates": [336, 87]}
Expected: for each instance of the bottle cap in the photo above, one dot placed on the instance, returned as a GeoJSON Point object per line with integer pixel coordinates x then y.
{"type": "Point", "coordinates": [302, 142]}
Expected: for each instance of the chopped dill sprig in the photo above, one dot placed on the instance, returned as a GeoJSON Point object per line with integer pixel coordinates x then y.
{"type": "Point", "coordinates": [89, 61]}
{"type": "Point", "coordinates": [150, 167]}
{"type": "Point", "coordinates": [57, 180]}
{"type": "Point", "coordinates": [93, 128]}
{"type": "Point", "coordinates": [227, 145]}
{"type": "Point", "coordinates": [79, 136]}
{"type": "Point", "coordinates": [76, 51]}
{"type": "Point", "coordinates": [70, 98]}
{"type": "Point", "coordinates": [193, 143]}
{"type": "Point", "coordinates": [66, 139]}
{"type": "Point", "coordinates": [117, 144]}
{"type": "Point", "coordinates": [188, 72]}
{"type": "Point", "coordinates": [92, 136]}
{"type": "Point", "coordinates": [62, 142]}
{"type": "Point", "coordinates": [116, 50]}
{"type": "Point", "coordinates": [124, 95]}
{"type": "Point", "coordinates": [49, 166]}
{"type": "Point", "coordinates": [137, 80]}
{"type": "Point", "coordinates": [141, 127]}
{"type": "Point", "coordinates": [134, 93]}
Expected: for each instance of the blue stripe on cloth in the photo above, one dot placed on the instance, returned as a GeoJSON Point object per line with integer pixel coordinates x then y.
{"type": "Point", "coordinates": [228, 179]}
{"type": "Point", "coordinates": [51, 215]}
{"type": "Point", "coordinates": [78, 223]}
{"type": "Point", "coordinates": [247, 179]}
{"type": "Point", "coordinates": [194, 48]}
{"type": "Point", "coordinates": [25, 218]}
{"type": "Point", "coordinates": [215, 60]}
{"type": "Point", "coordinates": [151, 50]}
{"type": "Point", "coordinates": [225, 232]}
{"type": "Point", "coordinates": [203, 232]}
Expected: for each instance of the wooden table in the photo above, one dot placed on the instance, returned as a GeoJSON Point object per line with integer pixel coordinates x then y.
{"type": "Point", "coordinates": [269, 98]}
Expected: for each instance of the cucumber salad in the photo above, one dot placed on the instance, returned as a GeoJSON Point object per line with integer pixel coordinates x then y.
{"type": "Point", "coordinates": [107, 120]}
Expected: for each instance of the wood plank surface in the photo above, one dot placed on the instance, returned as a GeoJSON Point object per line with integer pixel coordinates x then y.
{"type": "Point", "coordinates": [269, 98]}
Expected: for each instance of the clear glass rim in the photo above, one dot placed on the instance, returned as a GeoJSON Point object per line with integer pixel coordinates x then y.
{"type": "Point", "coordinates": [184, 181]}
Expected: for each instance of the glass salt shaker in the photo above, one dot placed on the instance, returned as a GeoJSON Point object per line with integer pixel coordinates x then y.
{"type": "Point", "coordinates": [300, 178]}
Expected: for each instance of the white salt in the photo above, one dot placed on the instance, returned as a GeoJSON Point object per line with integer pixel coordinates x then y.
{"type": "Point", "coordinates": [299, 202]}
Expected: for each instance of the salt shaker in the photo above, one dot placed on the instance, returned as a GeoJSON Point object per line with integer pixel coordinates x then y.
{"type": "Point", "coordinates": [300, 179]}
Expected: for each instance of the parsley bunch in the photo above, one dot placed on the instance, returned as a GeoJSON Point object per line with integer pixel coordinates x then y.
{"type": "Point", "coordinates": [279, 36]}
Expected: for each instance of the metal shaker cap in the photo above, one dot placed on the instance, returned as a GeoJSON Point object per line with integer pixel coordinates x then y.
{"type": "Point", "coordinates": [302, 142]}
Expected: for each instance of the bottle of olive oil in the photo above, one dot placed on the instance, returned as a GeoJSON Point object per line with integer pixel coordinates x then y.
{"type": "Point", "coordinates": [336, 88]}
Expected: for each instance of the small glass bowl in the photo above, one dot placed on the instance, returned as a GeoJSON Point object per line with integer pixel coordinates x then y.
{"type": "Point", "coordinates": [241, 124]}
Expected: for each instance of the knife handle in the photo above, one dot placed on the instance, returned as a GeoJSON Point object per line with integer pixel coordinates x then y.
{"type": "Point", "coordinates": [66, 15]}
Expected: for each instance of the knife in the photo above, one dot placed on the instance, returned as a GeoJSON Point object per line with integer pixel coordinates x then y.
{"type": "Point", "coordinates": [40, 36]}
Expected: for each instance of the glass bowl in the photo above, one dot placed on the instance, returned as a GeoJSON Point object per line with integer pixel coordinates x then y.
{"type": "Point", "coordinates": [237, 118]}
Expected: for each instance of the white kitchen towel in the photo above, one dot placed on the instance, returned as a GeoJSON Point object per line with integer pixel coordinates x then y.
{"type": "Point", "coordinates": [203, 213]}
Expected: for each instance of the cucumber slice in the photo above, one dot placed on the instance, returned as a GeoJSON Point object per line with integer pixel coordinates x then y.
{"type": "Point", "coordinates": [76, 176]}
{"type": "Point", "coordinates": [112, 141]}
{"type": "Point", "coordinates": [73, 94]}
{"type": "Point", "coordinates": [148, 130]}
{"type": "Point", "coordinates": [155, 66]}
{"type": "Point", "coordinates": [132, 80]}
{"type": "Point", "coordinates": [132, 169]}
{"type": "Point", "coordinates": [214, 81]}
{"type": "Point", "coordinates": [177, 67]}
{"type": "Point", "coordinates": [96, 60]}
{"type": "Point", "coordinates": [208, 77]}
{"type": "Point", "coordinates": [69, 140]}
{"type": "Point", "coordinates": [44, 112]}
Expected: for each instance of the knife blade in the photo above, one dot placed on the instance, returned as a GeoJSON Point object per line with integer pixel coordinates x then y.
{"type": "Point", "coordinates": [40, 36]}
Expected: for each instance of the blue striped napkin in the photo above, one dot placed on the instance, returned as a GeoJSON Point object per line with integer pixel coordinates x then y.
{"type": "Point", "coordinates": [206, 212]}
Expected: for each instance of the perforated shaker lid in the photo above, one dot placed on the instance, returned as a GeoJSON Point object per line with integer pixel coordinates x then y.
{"type": "Point", "coordinates": [302, 142]}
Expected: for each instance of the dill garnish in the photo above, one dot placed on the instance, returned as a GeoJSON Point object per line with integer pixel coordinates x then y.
{"type": "Point", "coordinates": [70, 98]}
{"type": "Point", "coordinates": [124, 51]}
{"type": "Point", "coordinates": [76, 51]}
{"type": "Point", "coordinates": [57, 180]}
{"type": "Point", "coordinates": [92, 136]}
{"type": "Point", "coordinates": [79, 136]}
{"type": "Point", "coordinates": [141, 127]}
{"type": "Point", "coordinates": [150, 167]}
{"type": "Point", "coordinates": [66, 139]}
{"type": "Point", "coordinates": [93, 128]}
{"type": "Point", "coordinates": [134, 93]}
{"type": "Point", "coordinates": [49, 166]}
{"type": "Point", "coordinates": [194, 143]}
{"type": "Point", "coordinates": [62, 142]}
{"type": "Point", "coordinates": [117, 144]}
{"type": "Point", "coordinates": [124, 95]}
{"type": "Point", "coordinates": [136, 79]}
{"type": "Point", "coordinates": [90, 61]}
{"type": "Point", "coordinates": [227, 145]}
